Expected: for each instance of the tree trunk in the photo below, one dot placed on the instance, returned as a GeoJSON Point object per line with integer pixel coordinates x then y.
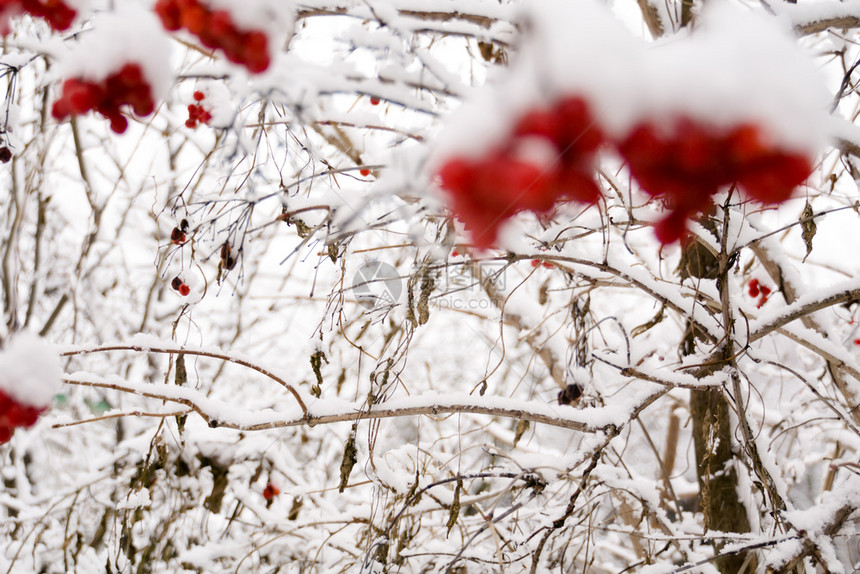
{"type": "Point", "coordinates": [718, 478]}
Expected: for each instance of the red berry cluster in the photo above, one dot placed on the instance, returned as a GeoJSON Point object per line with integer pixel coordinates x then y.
{"type": "Point", "coordinates": [127, 87]}
{"type": "Point", "coordinates": [271, 491]}
{"type": "Point", "coordinates": [179, 285]}
{"type": "Point", "coordinates": [757, 290]}
{"type": "Point", "coordinates": [687, 164]}
{"type": "Point", "coordinates": [14, 414]}
{"type": "Point", "coordinates": [683, 164]}
{"type": "Point", "coordinates": [58, 15]}
{"type": "Point", "coordinates": [196, 112]}
{"type": "Point", "coordinates": [489, 190]}
{"type": "Point", "coordinates": [216, 29]}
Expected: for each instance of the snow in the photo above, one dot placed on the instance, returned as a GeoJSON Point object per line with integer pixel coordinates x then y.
{"type": "Point", "coordinates": [737, 67]}
{"type": "Point", "coordinates": [135, 499]}
{"type": "Point", "coordinates": [779, 315]}
{"type": "Point", "coordinates": [129, 34]}
{"type": "Point", "coordinates": [275, 15]}
{"type": "Point", "coordinates": [459, 385]}
{"type": "Point", "coordinates": [30, 369]}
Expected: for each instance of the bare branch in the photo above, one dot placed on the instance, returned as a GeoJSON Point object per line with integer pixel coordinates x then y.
{"type": "Point", "coordinates": [193, 351]}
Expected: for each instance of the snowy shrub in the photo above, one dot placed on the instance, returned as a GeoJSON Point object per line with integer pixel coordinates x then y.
{"type": "Point", "coordinates": [460, 287]}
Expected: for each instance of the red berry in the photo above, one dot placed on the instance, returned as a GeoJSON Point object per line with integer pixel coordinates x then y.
{"type": "Point", "coordinates": [539, 123]}
{"type": "Point", "coordinates": [176, 283]}
{"type": "Point", "coordinates": [271, 491]}
{"type": "Point", "coordinates": [857, 341]}
{"type": "Point", "coordinates": [14, 414]}
{"type": "Point", "coordinates": [580, 135]}
{"type": "Point", "coordinates": [60, 110]}
{"type": "Point", "coordinates": [455, 253]}
{"type": "Point", "coordinates": [5, 402]}
{"type": "Point", "coordinates": [19, 415]}
{"type": "Point", "coordinates": [194, 18]}
{"type": "Point", "coordinates": [753, 288]}
{"type": "Point", "coordinates": [535, 262]}
{"type": "Point", "coordinates": [256, 52]}
{"type": "Point", "coordinates": [745, 145]}
{"type": "Point", "coordinates": [220, 26]}
{"type": "Point", "coordinates": [671, 228]}
{"type": "Point", "coordinates": [199, 96]}
{"type": "Point", "coordinates": [690, 161]}
{"type": "Point", "coordinates": [55, 12]}
{"type": "Point", "coordinates": [184, 290]}
{"type": "Point", "coordinates": [578, 186]}
{"type": "Point", "coordinates": [196, 114]}
{"type": "Point", "coordinates": [374, 101]}
{"type": "Point", "coordinates": [177, 236]}
{"type": "Point", "coordinates": [130, 75]}
{"type": "Point", "coordinates": [169, 13]}
{"type": "Point", "coordinates": [488, 190]}
{"type": "Point", "coordinates": [118, 124]}
{"type": "Point", "coordinates": [126, 88]}
{"type": "Point", "coordinates": [774, 178]}
{"type": "Point", "coordinates": [82, 96]}
{"type": "Point", "coordinates": [365, 172]}
{"type": "Point", "coordinates": [456, 175]}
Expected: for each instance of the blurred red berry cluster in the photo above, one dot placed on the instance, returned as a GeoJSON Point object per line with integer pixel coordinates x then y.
{"type": "Point", "coordinates": [546, 264]}
{"type": "Point", "coordinates": [684, 165]}
{"type": "Point", "coordinates": [56, 13]}
{"type": "Point", "coordinates": [14, 414]}
{"type": "Point", "coordinates": [127, 87]}
{"type": "Point", "coordinates": [688, 163]}
{"type": "Point", "coordinates": [488, 190]}
{"type": "Point", "coordinates": [196, 112]}
{"type": "Point", "coordinates": [216, 30]}
{"type": "Point", "coordinates": [758, 291]}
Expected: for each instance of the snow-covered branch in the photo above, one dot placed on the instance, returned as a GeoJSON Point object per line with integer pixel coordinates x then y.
{"type": "Point", "coordinates": [224, 415]}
